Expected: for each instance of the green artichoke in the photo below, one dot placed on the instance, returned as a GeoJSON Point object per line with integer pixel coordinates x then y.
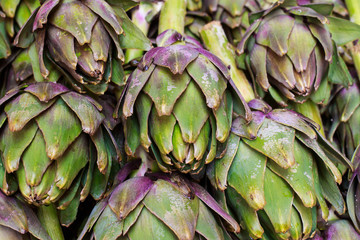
{"type": "Point", "coordinates": [178, 103]}
{"type": "Point", "coordinates": [158, 206]}
{"type": "Point", "coordinates": [277, 168]}
{"type": "Point", "coordinates": [18, 221]}
{"type": "Point", "coordinates": [81, 37]}
{"type": "Point", "coordinates": [290, 69]}
{"type": "Point", "coordinates": [51, 138]}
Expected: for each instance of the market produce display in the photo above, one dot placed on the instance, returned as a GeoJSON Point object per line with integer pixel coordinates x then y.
{"type": "Point", "coordinates": [180, 119]}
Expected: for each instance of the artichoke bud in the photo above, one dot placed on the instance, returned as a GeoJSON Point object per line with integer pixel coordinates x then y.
{"type": "Point", "coordinates": [83, 39]}
{"type": "Point", "coordinates": [279, 163]}
{"type": "Point", "coordinates": [179, 104]}
{"type": "Point", "coordinates": [153, 206]}
{"type": "Point", "coordinates": [278, 60]}
{"type": "Point", "coordinates": [55, 143]}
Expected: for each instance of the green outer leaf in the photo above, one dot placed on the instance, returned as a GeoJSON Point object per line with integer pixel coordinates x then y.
{"type": "Point", "coordinates": [133, 38]}
{"type": "Point", "coordinates": [24, 108]}
{"type": "Point", "coordinates": [60, 127]}
{"type": "Point", "coordinates": [88, 114]}
{"type": "Point", "coordinates": [13, 144]}
{"type": "Point", "coordinates": [207, 225]}
{"type": "Point", "coordinates": [68, 216]}
{"type": "Point", "coordinates": [245, 213]}
{"type": "Point", "coordinates": [35, 160]}
{"type": "Point", "coordinates": [246, 175]}
{"type": "Point", "coordinates": [143, 107]}
{"type": "Point", "coordinates": [343, 31]}
{"type": "Point", "coordinates": [132, 133]}
{"type": "Point", "coordinates": [108, 226]}
{"type": "Point", "coordinates": [161, 130]}
{"type": "Point", "coordinates": [174, 209]}
{"type": "Point", "coordinates": [330, 189]}
{"type": "Point", "coordinates": [223, 121]}
{"type": "Point", "coordinates": [191, 112]}
{"type": "Point", "coordinates": [300, 176]}
{"type": "Point", "coordinates": [94, 215]}
{"type": "Point", "coordinates": [224, 164]}
{"type": "Point", "coordinates": [210, 80]}
{"type": "Point", "coordinates": [70, 164]}
{"type": "Point", "coordinates": [101, 149]}
{"type": "Point", "coordinates": [165, 88]}
{"type": "Point", "coordinates": [275, 141]}
{"type": "Point", "coordinates": [131, 219]}
{"type": "Point", "coordinates": [296, 226]}
{"type": "Point", "coordinates": [42, 190]}
{"type": "Point", "coordinates": [149, 227]}
{"type": "Point", "coordinates": [279, 198]}
{"type": "Point", "coordinates": [338, 71]}
{"type": "Point", "coordinates": [180, 150]}
{"type": "Point", "coordinates": [306, 215]}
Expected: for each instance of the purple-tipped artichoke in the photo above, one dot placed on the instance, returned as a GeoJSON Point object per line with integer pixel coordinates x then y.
{"type": "Point", "coordinates": [84, 38]}
{"type": "Point", "coordinates": [275, 171]}
{"type": "Point", "coordinates": [158, 206]}
{"type": "Point", "coordinates": [54, 146]}
{"type": "Point", "coordinates": [291, 52]}
{"type": "Point", "coordinates": [178, 103]}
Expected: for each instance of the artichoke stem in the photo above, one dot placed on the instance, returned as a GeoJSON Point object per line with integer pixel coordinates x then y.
{"type": "Point", "coordinates": [50, 221]}
{"type": "Point", "coordinates": [354, 12]}
{"type": "Point", "coordinates": [310, 110]}
{"type": "Point", "coordinates": [139, 19]}
{"type": "Point", "coordinates": [216, 42]}
{"type": "Point", "coordinates": [172, 16]}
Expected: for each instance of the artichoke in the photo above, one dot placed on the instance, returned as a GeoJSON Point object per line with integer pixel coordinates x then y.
{"type": "Point", "coordinates": [18, 221]}
{"type": "Point", "coordinates": [290, 69]}
{"type": "Point", "coordinates": [279, 167]}
{"type": "Point", "coordinates": [51, 138]}
{"type": "Point", "coordinates": [158, 206]}
{"type": "Point", "coordinates": [183, 107]}
{"type": "Point", "coordinates": [81, 37]}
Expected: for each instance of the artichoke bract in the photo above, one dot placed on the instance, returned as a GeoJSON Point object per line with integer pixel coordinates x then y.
{"type": "Point", "coordinates": [18, 221]}
{"type": "Point", "coordinates": [54, 145]}
{"type": "Point", "coordinates": [178, 103]}
{"type": "Point", "coordinates": [291, 53]}
{"type": "Point", "coordinates": [280, 167]}
{"type": "Point", "coordinates": [83, 37]}
{"type": "Point", "coordinates": [158, 206]}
